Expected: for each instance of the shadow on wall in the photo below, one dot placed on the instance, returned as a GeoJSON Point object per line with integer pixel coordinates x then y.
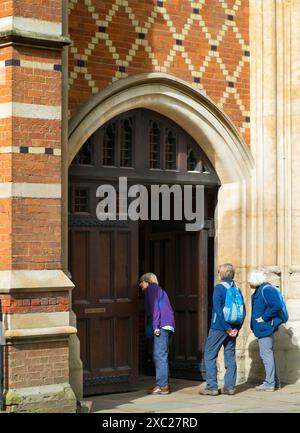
{"type": "Point", "coordinates": [287, 354]}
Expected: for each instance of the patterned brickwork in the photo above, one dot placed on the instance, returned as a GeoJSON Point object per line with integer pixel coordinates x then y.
{"type": "Point", "coordinates": [205, 43]}
{"type": "Point", "coordinates": [30, 145]}
{"type": "Point", "coordinates": [37, 80]}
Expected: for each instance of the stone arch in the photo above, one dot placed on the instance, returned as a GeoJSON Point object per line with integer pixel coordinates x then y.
{"type": "Point", "coordinates": [211, 129]}
{"type": "Point", "coordinates": [179, 101]}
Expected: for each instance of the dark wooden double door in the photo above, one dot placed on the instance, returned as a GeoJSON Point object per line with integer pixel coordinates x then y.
{"type": "Point", "coordinates": [105, 263]}
{"type": "Point", "coordinates": [180, 260]}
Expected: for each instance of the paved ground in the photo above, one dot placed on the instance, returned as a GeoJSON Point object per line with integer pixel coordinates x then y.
{"type": "Point", "coordinates": [185, 399]}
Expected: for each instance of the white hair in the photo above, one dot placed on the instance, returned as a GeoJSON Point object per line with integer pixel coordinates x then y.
{"type": "Point", "coordinates": [256, 278]}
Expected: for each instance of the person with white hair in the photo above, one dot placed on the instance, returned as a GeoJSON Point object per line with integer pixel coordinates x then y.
{"type": "Point", "coordinates": [265, 320]}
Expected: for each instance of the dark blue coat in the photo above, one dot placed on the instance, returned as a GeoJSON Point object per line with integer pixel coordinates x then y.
{"type": "Point", "coordinates": [269, 309]}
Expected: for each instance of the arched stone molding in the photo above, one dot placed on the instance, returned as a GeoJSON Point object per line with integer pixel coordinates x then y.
{"type": "Point", "coordinates": [212, 130]}
{"type": "Point", "coordinates": [179, 101]}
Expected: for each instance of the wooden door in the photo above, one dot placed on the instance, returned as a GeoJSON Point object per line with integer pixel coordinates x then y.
{"type": "Point", "coordinates": [180, 261]}
{"type": "Point", "coordinates": [104, 267]}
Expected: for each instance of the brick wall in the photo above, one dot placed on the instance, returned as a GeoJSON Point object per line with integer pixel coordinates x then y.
{"type": "Point", "coordinates": [6, 8]}
{"type": "Point", "coordinates": [48, 10]}
{"type": "Point", "coordinates": [205, 43]}
{"type": "Point", "coordinates": [30, 145]}
{"type": "Point", "coordinates": [37, 237]}
{"type": "Point", "coordinates": [36, 364]}
{"type": "Point", "coordinates": [46, 302]}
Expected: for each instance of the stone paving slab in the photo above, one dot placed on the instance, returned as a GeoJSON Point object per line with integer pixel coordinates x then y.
{"type": "Point", "coordinates": [185, 398]}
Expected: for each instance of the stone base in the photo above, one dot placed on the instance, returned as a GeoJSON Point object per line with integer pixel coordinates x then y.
{"type": "Point", "coordinates": [58, 398]}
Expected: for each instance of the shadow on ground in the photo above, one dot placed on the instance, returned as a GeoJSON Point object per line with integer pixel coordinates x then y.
{"type": "Point", "coordinates": [138, 399]}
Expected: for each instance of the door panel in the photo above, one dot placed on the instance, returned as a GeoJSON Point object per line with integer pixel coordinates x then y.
{"type": "Point", "coordinates": [122, 265]}
{"type": "Point", "coordinates": [104, 268]}
{"type": "Point", "coordinates": [123, 332]}
{"type": "Point", "coordinates": [81, 256]}
{"type": "Point", "coordinates": [103, 279]}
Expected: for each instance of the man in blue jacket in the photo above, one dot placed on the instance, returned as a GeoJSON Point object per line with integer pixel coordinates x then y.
{"type": "Point", "coordinates": [220, 333]}
{"type": "Point", "coordinates": [265, 320]}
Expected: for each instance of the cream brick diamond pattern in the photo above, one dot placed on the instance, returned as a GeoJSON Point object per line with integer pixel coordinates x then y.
{"type": "Point", "coordinates": [176, 34]}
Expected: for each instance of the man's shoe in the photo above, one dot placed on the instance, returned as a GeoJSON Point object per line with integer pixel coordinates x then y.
{"type": "Point", "coordinates": [206, 391]}
{"type": "Point", "coordinates": [228, 391]}
{"type": "Point", "coordinates": [277, 386]}
{"type": "Point", "coordinates": [159, 390]}
{"type": "Point", "coordinates": [264, 387]}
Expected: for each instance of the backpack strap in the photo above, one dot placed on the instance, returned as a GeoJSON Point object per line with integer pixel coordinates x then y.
{"type": "Point", "coordinates": [262, 291]}
{"type": "Point", "coordinates": [161, 299]}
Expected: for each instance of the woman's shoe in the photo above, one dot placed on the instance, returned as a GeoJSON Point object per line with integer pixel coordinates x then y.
{"type": "Point", "coordinates": [160, 390]}
{"type": "Point", "coordinates": [264, 387]}
{"type": "Point", "coordinates": [205, 391]}
{"type": "Point", "coordinates": [228, 391]}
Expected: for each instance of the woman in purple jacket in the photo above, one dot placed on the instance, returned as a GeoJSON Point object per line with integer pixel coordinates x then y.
{"type": "Point", "coordinates": [159, 309]}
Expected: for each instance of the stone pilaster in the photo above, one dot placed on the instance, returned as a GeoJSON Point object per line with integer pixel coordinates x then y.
{"type": "Point", "coordinates": [275, 188]}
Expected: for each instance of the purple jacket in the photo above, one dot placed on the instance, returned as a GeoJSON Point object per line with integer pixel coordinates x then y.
{"type": "Point", "coordinates": [161, 316]}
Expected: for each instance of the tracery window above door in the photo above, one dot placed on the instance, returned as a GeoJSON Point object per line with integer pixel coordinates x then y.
{"type": "Point", "coordinates": [145, 145]}
{"type": "Point", "coordinates": [108, 145]}
{"type": "Point", "coordinates": [126, 142]}
{"type": "Point", "coordinates": [170, 150]}
{"type": "Point", "coordinates": [84, 156]}
{"type": "Point", "coordinates": [154, 144]}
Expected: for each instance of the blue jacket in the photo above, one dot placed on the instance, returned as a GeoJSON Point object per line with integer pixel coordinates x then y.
{"type": "Point", "coordinates": [268, 308]}
{"type": "Point", "coordinates": [217, 319]}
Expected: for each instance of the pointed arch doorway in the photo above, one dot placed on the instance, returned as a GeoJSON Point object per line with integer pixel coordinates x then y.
{"type": "Point", "coordinates": [106, 258]}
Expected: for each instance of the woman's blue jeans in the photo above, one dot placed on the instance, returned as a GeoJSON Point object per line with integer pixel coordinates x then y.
{"type": "Point", "coordinates": [160, 357]}
{"type": "Point", "coordinates": [216, 338]}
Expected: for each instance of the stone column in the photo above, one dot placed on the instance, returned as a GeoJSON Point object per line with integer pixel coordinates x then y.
{"type": "Point", "coordinates": [275, 115]}
{"type": "Point", "coordinates": [34, 291]}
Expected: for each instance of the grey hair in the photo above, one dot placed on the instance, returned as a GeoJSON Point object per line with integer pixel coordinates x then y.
{"type": "Point", "coordinates": [226, 271]}
{"type": "Point", "coordinates": [149, 278]}
{"type": "Point", "coordinates": [256, 278]}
